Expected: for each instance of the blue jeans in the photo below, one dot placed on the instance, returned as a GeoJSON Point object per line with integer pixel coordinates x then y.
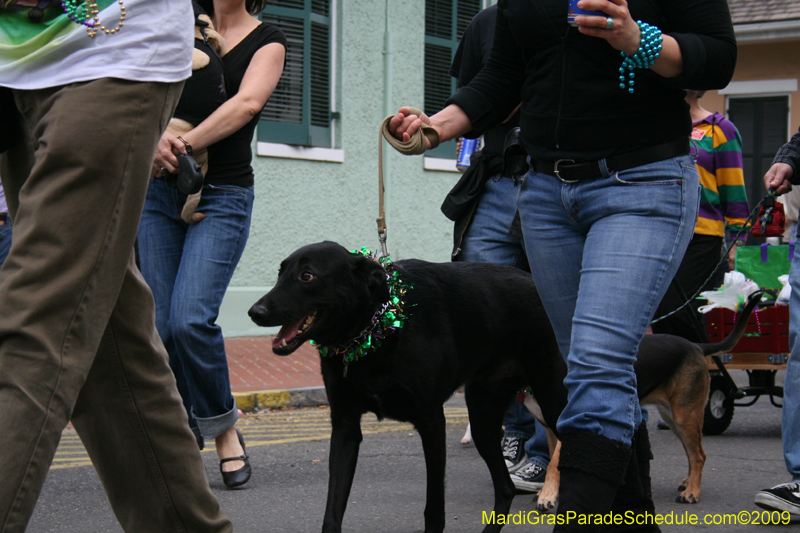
{"type": "Point", "coordinates": [602, 252]}
{"type": "Point", "coordinates": [188, 268]}
{"type": "Point", "coordinates": [5, 241]}
{"type": "Point", "coordinates": [791, 383]}
{"type": "Point", "coordinates": [520, 423]}
{"type": "Point", "coordinates": [489, 239]}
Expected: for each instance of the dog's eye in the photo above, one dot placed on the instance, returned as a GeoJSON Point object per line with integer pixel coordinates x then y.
{"type": "Point", "coordinates": [306, 276]}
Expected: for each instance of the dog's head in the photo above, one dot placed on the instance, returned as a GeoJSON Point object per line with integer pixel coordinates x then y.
{"type": "Point", "coordinates": [324, 293]}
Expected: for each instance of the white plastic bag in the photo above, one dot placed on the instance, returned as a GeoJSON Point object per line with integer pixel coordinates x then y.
{"type": "Point", "coordinates": [786, 291]}
{"type": "Point", "coordinates": [734, 292]}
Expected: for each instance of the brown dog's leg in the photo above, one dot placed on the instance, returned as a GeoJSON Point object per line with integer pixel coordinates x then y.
{"type": "Point", "coordinates": [547, 499]}
{"type": "Point", "coordinates": [687, 424]}
{"type": "Point", "coordinates": [548, 496]}
{"type": "Point", "coordinates": [681, 403]}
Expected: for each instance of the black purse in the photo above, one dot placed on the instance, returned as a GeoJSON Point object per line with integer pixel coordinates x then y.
{"type": "Point", "coordinates": [189, 179]}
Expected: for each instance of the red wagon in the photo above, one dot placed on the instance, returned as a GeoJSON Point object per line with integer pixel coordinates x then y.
{"type": "Point", "coordinates": [762, 351]}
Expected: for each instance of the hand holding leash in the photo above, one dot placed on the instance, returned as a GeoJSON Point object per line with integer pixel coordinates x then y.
{"type": "Point", "coordinates": [409, 131]}
{"type": "Point", "coordinates": [776, 180]}
{"type": "Point", "coordinates": [166, 159]}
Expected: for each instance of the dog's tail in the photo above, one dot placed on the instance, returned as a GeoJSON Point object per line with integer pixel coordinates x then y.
{"type": "Point", "coordinates": [730, 341]}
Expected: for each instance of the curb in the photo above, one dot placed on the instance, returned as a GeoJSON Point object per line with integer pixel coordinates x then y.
{"type": "Point", "coordinates": [253, 401]}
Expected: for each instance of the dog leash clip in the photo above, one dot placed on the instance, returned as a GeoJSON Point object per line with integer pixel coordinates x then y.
{"type": "Point", "coordinates": [382, 238]}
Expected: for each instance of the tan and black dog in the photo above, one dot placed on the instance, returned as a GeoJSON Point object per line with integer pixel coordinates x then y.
{"type": "Point", "coordinates": [672, 374]}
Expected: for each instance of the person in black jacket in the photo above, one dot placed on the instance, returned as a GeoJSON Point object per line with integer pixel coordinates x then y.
{"type": "Point", "coordinates": [786, 497]}
{"type": "Point", "coordinates": [609, 203]}
{"type": "Point", "coordinates": [487, 231]}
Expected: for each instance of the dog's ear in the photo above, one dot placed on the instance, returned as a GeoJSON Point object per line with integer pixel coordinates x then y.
{"type": "Point", "coordinates": [374, 275]}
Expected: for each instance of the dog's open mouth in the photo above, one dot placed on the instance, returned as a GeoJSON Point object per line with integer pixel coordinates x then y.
{"type": "Point", "coordinates": [292, 336]}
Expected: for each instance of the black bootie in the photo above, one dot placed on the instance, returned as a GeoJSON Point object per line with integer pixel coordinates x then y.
{"type": "Point", "coordinates": [634, 499]}
{"type": "Point", "coordinates": [592, 469]}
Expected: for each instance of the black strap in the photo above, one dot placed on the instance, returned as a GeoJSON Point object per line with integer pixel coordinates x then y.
{"type": "Point", "coordinates": [569, 170]}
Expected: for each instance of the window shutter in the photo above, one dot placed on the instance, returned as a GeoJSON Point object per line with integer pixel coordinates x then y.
{"type": "Point", "coordinates": [286, 103]}
{"type": "Point", "coordinates": [445, 22]}
{"type": "Point", "coordinates": [298, 112]}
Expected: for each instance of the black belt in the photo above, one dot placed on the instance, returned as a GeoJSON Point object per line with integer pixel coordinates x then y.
{"type": "Point", "coordinates": [568, 170]}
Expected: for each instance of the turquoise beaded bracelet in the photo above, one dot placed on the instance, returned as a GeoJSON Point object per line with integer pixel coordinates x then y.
{"type": "Point", "coordinates": [649, 50]}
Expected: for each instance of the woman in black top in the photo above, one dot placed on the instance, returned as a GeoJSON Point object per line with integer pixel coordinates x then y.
{"type": "Point", "coordinates": [189, 266]}
{"type": "Point", "coordinates": [609, 204]}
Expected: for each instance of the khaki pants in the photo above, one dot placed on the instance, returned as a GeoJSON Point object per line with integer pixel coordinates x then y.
{"type": "Point", "coordinates": [77, 329]}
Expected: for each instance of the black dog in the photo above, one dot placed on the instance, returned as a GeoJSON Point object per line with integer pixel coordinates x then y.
{"type": "Point", "coordinates": [468, 323]}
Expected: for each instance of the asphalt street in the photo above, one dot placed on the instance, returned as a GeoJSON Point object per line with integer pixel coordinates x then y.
{"type": "Point", "coordinates": [289, 452]}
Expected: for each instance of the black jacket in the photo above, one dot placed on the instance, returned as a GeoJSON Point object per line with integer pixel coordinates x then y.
{"type": "Point", "coordinates": [568, 82]}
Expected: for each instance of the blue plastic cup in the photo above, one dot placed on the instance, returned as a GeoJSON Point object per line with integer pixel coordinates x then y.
{"type": "Point", "coordinates": [574, 10]}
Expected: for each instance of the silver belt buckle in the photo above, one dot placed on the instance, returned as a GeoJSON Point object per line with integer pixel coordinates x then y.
{"type": "Point", "coordinates": [555, 170]}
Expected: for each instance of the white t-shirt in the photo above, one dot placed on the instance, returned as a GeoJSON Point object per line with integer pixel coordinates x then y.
{"type": "Point", "coordinates": [155, 44]}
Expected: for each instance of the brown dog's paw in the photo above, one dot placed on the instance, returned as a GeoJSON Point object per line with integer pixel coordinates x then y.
{"type": "Point", "coordinates": [687, 498]}
{"type": "Point", "coordinates": [545, 504]}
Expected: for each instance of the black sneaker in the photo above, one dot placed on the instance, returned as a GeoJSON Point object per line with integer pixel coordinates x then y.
{"type": "Point", "coordinates": [514, 453]}
{"type": "Point", "coordinates": [661, 424]}
{"type": "Point", "coordinates": [529, 478]}
{"type": "Point", "coordinates": [784, 497]}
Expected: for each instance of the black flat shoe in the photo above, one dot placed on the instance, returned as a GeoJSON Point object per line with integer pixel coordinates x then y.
{"type": "Point", "coordinates": [236, 478]}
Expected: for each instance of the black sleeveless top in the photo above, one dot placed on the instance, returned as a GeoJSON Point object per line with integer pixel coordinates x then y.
{"type": "Point", "coordinates": [229, 159]}
{"type": "Point", "coordinates": [205, 90]}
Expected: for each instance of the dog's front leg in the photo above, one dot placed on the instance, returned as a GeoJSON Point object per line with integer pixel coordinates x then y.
{"type": "Point", "coordinates": [433, 435]}
{"type": "Point", "coordinates": [547, 499]}
{"type": "Point", "coordinates": [486, 408]}
{"type": "Point", "coordinates": [345, 440]}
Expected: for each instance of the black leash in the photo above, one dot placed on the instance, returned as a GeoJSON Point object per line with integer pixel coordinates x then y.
{"type": "Point", "coordinates": [745, 227]}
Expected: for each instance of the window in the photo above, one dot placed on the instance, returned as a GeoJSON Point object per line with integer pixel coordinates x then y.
{"type": "Point", "coordinates": [299, 110]}
{"type": "Point", "coordinates": [763, 123]}
{"type": "Point", "coordinates": [445, 22]}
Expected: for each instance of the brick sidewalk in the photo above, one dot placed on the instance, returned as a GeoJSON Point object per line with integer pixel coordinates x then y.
{"type": "Point", "coordinates": [253, 366]}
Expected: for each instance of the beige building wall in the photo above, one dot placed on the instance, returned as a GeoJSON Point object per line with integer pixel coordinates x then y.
{"type": "Point", "coordinates": [761, 62]}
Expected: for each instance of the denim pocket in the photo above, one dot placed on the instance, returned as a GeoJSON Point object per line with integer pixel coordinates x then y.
{"type": "Point", "coordinates": [667, 172]}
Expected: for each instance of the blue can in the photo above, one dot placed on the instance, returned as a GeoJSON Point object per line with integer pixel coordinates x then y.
{"type": "Point", "coordinates": [468, 146]}
{"type": "Point", "coordinates": [574, 10]}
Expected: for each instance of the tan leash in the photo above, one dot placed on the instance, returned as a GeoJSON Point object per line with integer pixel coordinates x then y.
{"type": "Point", "coordinates": [414, 146]}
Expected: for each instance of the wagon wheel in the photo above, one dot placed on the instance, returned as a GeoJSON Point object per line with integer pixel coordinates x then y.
{"type": "Point", "coordinates": [719, 408]}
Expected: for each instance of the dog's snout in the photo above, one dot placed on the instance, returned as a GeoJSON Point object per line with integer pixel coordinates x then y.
{"type": "Point", "coordinates": [258, 312]}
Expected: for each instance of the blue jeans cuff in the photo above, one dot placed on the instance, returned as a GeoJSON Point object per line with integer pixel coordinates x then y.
{"type": "Point", "coordinates": [211, 428]}
{"type": "Point", "coordinates": [517, 435]}
{"type": "Point", "coordinates": [539, 461]}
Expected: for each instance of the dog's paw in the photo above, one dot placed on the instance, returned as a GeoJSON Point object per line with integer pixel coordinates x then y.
{"type": "Point", "coordinates": [546, 505]}
{"type": "Point", "coordinates": [687, 498]}
{"type": "Point", "coordinates": [467, 438]}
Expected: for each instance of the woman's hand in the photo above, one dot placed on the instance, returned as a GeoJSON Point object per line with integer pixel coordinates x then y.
{"type": "Point", "coordinates": [167, 151]}
{"type": "Point", "coordinates": [623, 35]}
{"type": "Point", "coordinates": [403, 125]}
{"type": "Point", "coordinates": [449, 123]}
